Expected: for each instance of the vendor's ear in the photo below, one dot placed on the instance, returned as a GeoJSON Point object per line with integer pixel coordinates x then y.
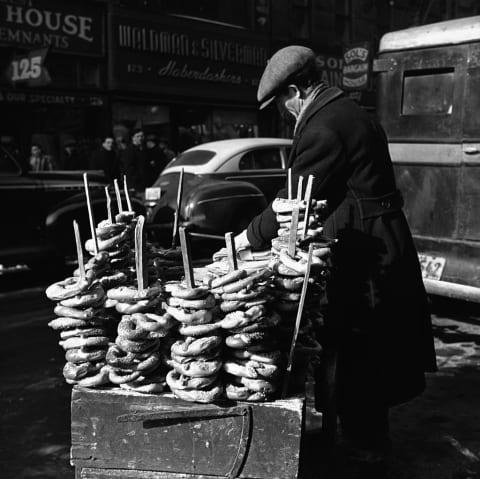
{"type": "Point", "coordinates": [293, 91]}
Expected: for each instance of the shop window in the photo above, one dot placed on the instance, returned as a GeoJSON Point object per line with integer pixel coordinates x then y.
{"type": "Point", "coordinates": [7, 164]}
{"type": "Point", "coordinates": [428, 92]}
{"type": "Point", "coordinates": [265, 159]}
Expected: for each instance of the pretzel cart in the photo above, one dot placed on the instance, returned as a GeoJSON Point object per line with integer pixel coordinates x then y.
{"type": "Point", "coordinates": [186, 375]}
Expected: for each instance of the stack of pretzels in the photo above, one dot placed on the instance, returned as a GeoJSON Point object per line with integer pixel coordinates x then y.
{"type": "Point", "coordinates": [252, 360]}
{"type": "Point", "coordinates": [136, 359]}
{"type": "Point", "coordinates": [81, 322]}
{"type": "Point", "coordinates": [196, 357]}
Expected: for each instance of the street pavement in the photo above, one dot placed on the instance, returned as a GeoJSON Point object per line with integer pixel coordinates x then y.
{"type": "Point", "coordinates": [436, 436]}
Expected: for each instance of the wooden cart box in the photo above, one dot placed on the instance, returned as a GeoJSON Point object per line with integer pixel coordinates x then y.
{"type": "Point", "coordinates": [122, 434]}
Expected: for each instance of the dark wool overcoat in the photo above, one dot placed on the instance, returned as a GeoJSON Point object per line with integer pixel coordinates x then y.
{"type": "Point", "coordinates": [378, 312]}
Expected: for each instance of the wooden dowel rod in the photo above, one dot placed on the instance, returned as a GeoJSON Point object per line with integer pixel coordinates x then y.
{"type": "Point", "coordinates": [308, 200]}
{"type": "Point", "coordinates": [78, 244]}
{"type": "Point", "coordinates": [141, 280]}
{"type": "Point", "coordinates": [289, 183]}
{"type": "Point", "coordinates": [186, 257]}
{"type": "Point", "coordinates": [127, 194]}
{"type": "Point", "coordinates": [292, 238]}
{"type": "Point", "coordinates": [176, 218]}
{"type": "Point", "coordinates": [118, 195]}
{"type": "Point", "coordinates": [91, 218]}
{"type": "Point", "coordinates": [231, 251]}
{"type": "Point", "coordinates": [300, 188]}
{"type": "Point", "coordinates": [297, 323]}
{"type": "Point", "coordinates": [109, 206]}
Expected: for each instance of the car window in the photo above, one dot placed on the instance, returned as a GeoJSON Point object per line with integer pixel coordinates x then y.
{"type": "Point", "coordinates": [7, 164]}
{"type": "Point", "coordinates": [263, 159]}
{"type": "Point", "coordinates": [195, 158]}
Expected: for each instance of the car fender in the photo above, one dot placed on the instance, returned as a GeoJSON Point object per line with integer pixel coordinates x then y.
{"type": "Point", "coordinates": [217, 207]}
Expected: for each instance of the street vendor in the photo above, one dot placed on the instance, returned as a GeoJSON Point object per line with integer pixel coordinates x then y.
{"type": "Point", "coordinates": [377, 311]}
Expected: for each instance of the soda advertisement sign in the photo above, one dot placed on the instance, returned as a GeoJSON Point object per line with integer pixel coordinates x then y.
{"type": "Point", "coordinates": [62, 26]}
{"type": "Point", "coordinates": [356, 67]}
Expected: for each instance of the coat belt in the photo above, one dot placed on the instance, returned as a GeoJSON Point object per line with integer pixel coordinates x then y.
{"type": "Point", "coordinates": [379, 205]}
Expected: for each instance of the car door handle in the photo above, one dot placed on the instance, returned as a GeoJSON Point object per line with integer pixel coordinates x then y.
{"type": "Point", "coordinates": [471, 150]}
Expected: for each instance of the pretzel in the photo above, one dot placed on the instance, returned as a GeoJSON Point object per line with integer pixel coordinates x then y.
{"type": "Point", "coordinates": [154, 322]}
{"type": "Point", "coordinates": [109, 243]}
{"type": "Point", "coordinates": [269, 357]}
{"type": "Point", "coordinates": [113, 280]}
{"type": "Point", "coordinates": [288, 283]}
{"type": "Point", "coordinates": [150, 385]}
{"type": "Point", "coordinates": [77, 371]}
{"type": "Point", "coordinates": [106, 230]}
{"type": "Point", "coordinates": [196, 346]}
{"type": "Point", "coordinates": [61, 324]}
{"type": "Point", "coordinates": [128, 328]}
{"type": "Point", "coordinates": [98, 379]}
{"type": "Point", "coordinates": [81, 355]}
{"type": "Point", "coordinates": [119, 376]}
{"type": "Point", "coordinates": [198, 369]}
{"type": "Point", "coordinates": [250, 369]}
{"type": "Point", "coordinates": [207, 395]}
{"type": "Point", "coordinates": [87, 332]}
{"type": "Point", "coordinates": [243, 340]}
{"type": "Point", "coordinates": [198, 329]}
{"type": "Point", "coordinates": [70, 312]}
{"type": "Point", "coordinates": [125, 217]}
{"type": "Point", "coordinates": [176, 380]}
{"type": "Point", "coordinates": [129, 294]}
{"type": "Point", "coordinates": [89, 297]}
{"type": "Point", "coordinates": [119, 358]}
{"type": "Point", "coordinates": [131, 346]}
{"type": "Point", "coordinates": [230, 277]}
{"type": "Point", "coordinates": [257, 385]}
{"type": "Point", "coordinates": [244, 294]}
{"type": "Point", "coordinates": [66, 289]}
{"type": "Point", "coordinates": [179, 290]}
{"type": "Point", "coordinates": [242, 393]}
{"type": "Point", "coordinates": [201, 316]}
{"type": "Point", "coordinates": [208, 356]}
{"type": "Point", "coordinates": [76, 342]}
{"type": "Point", "coordinates": [207, 302]}
{"type": "Point", "coordinates": [245, 283]}
{"type": "Point", "coordinates": [138, 307]}
{"type": "Point", "coordinates": [284, 205]}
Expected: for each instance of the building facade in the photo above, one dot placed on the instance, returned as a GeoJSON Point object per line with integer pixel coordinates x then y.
{"type": "Point", "coordinates": [184, 71]}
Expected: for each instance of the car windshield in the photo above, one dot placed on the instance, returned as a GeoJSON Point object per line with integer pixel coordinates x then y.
{"type": "Point", "coordinates": [194, 158]}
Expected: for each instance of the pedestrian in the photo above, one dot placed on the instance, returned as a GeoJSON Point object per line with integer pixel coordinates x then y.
{"type": "Point", "coordinates": [157, 160]}
{"type": "Point", "coordinates": [135, 163]}
{"type": "Point", "coordinates": [38, 161]}
{"type": "Point", "coordinates": [72, 159]}
{"type": "Point", "coordinates": [105, 159]}
{"type": "Point", "coordinates": [377, 310]}
{"type": "Point", "coordinates": [164, 146]}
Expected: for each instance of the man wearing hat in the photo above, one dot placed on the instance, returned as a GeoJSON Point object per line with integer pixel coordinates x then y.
{"type": "Point", "coordinates": [377, 311]}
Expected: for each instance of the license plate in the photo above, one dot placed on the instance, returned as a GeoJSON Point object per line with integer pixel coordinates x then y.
{"type": "Point", "coordinates": [153, 193]}
{"type": "Point", "coordinates": [432, 266]}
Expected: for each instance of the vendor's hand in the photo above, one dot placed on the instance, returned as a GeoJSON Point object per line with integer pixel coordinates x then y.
{"type": "Point", "coordinates": [241, 240]}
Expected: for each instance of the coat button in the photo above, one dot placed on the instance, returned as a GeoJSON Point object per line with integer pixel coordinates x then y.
{"type": "Point", "coordinates": [386, 204]}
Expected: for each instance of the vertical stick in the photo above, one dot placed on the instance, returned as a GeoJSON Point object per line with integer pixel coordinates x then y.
{"type": "Point", "coordinates": [297, 323]}
{"type": "Point", "coordinates": [289, 183]}
{"type": "Point", "coordinates": [187, 259]}
{"type": "Point", "coordinates": [231, 250]}
{"type": "Point", "coordinates": [176, 218]}
{"type": "Point", "coordinates": [141, 280]}
{"type": "Point", "coordinates": [292, 238]}
{"type": "Point", "coordinates": [308, 197]}
{"type": "Point", "coordinates": [78, 243]}
{"type": "Point", "coordinates": [299, 188]}
{"type": "Point", "coordinates": [118, 195]}
{"type": "Point", "coordinates": [127, 194]}
{"type": "Point", "coordinates": [109, 206]}
{"type": "Point", "coordinates": [91, 219]}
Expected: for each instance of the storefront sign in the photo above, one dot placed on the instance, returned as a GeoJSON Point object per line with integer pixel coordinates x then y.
{"type": "Point", "coordinates": [356, 67]}
{"type": "Point", "coordinates": [331, 68]}
{"type": "Point", "coordinates": [173, 57]}
{"type": "Point", "coordinates": [69, 27]}
{"type": "Point", "coordinates": [29, 69]}
{"type": "Point", "coordinates": [51, 98]}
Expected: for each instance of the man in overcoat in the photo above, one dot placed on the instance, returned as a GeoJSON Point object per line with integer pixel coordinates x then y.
{"type": "Point", "coordinates": [377, 314]}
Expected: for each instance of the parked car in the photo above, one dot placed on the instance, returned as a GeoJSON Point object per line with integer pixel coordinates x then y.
{"type": "Point", "coordinates": [37, 210]}
{"type": "Point", "coordinates": [226, 183]}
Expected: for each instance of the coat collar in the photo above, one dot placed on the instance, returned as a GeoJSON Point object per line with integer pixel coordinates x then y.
{"type": "Point", "coordinates": [322, 100]}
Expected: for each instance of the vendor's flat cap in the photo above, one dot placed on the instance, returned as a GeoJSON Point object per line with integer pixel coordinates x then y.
{"type": "Point", "coordinates": [283, 64]}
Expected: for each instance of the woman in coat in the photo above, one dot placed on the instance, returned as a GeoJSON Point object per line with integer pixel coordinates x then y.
{"type": "Point", "coordinates": [377, 311]}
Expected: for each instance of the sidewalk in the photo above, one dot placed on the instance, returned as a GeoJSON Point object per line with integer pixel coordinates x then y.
{"type": "Point", "coordinates": [436, 436]}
